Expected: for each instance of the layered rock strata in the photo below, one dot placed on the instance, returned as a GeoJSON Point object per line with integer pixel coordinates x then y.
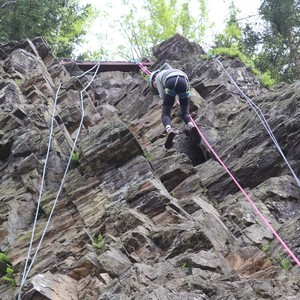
{"type": "Point", "coordinates": [133, 220]}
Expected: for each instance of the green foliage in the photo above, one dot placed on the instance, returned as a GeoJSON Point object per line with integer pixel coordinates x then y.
{"type": "Point", "coordinates": [232, 34]}
{"type": "Point", "coordinates": [9, 271]}
{"type": "Point", "coordinates": [97, 55]}
{"type": "Point", "coordinates": [144, 76]}
{"type": "Point", "coordinates": [61, 23]}
{"type": "Point", "coordinates": [265, 78]}
{"type": "Point", "coordinates": [285, 264]}
{"type": "Point", "coordinates": [160, 20]}
{"type": "Point", "coordinates": [266, 249]}
{"type": "Point", "coordinates": [76, 156]}
{"type": "Point", "coordinates": [206, 57]}
{"type": "Point", "coordinates": [4, 258]}
{"type": "Point", "coordinates": [282, 262]}
{"type": "Point", "coordinates": [9, 280]}
{"type": "Point", "coordinates": [75, 22]}
{"type": "Point", "coordinates": [275, 44]}
{"type": "Point", "coordinates": [173, 194]}
{"type": "Point", "coordinates": [230, 38]}
{"type": "Point", "coordinates": [236, 42]}
{"type": "Point", "coordinates": [98, 242]}
{"type": "Point", "coordinates": [17, 80]}
{"type": "Point", "coordinates": [149, 156]}
{"type": "Point", "coordinates": [231, 52]}
{"type": "Point", "coordinates": [183, 266]}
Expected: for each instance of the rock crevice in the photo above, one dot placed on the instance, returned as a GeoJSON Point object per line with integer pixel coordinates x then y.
{"type": "Point", "coordinates": [134, 220]}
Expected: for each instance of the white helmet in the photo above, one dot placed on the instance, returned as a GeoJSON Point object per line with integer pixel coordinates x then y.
{"type": "Point", "coordinates": [152, 78]}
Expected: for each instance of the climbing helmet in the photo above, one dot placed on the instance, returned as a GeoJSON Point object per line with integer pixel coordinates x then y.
{"type": "Point", "coordinates": [152, 78]}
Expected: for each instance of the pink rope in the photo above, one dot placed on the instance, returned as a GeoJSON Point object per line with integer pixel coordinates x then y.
{"type": "Point", "coordinates": [292, 255]}
{"type": "Point", "coordinates": [144, 69]}
{"type": "Point", "coordinates": [248, 198]}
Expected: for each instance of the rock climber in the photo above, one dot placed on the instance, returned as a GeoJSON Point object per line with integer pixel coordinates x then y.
{"type": "Point", "coordinates": [171, 82]}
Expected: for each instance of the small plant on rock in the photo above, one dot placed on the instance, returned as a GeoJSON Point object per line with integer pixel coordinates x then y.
{"type": "Point", "coordinates": [144, 76]}
{"type": "Point", "coordinates": [76, 156]}
{"type": "Point", "coordinates": [98, 242]}
{"type": "Point", "coordinates": [149, 156]}
{"type": "Point", "coordinates": [17, 80]}
{"type": "Point", "coordinates": [7, 270]}
{"type": "Point", "coordinates": [266, 249]}
{"type": "Point", "coordinates": [284, 262]}
{"type": "Point", "coordinates": [183, 266]}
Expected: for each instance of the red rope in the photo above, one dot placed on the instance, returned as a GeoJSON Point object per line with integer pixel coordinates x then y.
{"type": "Point", "coordinates": [292, 255]}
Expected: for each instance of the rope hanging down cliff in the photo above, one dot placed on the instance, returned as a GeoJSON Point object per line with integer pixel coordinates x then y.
{"type": "Point", "coordinates": [260, 116]}
{"type": "Point", "coordinates": [28, 268]}
{"type": "Point", "coordinates": [264, 219]}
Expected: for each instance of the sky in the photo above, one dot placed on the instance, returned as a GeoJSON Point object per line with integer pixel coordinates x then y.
{"type": "Point", "coordinates": [217, 10]}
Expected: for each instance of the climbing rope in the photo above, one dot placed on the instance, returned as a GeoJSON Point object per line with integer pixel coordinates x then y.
{"type": "Point", "coordinates": [249, 199]}
{"type": "Point", "coordinates": [261, 116]}
{"type": "Point", "coordinates": [264, 219]}
{"type": "Point", "coordinates": [28, 268]}
{"type": "Point", "coordinates": [41, 190]}
{"type": "Point", "coordinates": [144, 69]}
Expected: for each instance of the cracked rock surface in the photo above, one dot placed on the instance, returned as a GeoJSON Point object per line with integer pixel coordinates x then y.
{"type": "Point", "coordinates": [134, 220]}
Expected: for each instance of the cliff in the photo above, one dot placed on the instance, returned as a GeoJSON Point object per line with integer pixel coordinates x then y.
{"type": "Point", "coordinates": [133, 220]}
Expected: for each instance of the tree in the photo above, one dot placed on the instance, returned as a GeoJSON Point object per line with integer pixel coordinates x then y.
{"type": "Point", "coordinates": [74, 23]}
{"type": "Point", "coordinates": [161, 20]}
{"type": "Point", "coordinates": [61, 22]}
{"type": "Point", "coordinates": [276, 44]}
{"type": "Point", "coordinates": [232, 34]}
{"type": "Point", "coordinates": [232, 43]}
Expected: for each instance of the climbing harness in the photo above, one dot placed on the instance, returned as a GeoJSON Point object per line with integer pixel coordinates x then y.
{"type": "Point", "coordinates": [291, 254]}
{"type": "Point", "coordinates": [28, 268]}
{"type": "Point", "coordinates": [180, 96]}
{"type": "Point", "coordinates": [173, 93]}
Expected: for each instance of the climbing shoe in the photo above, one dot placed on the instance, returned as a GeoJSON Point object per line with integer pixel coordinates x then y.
{"type": "Point", "coordinates": [170, 137]}
{"type": "Point", "coordinates": [194, 133]}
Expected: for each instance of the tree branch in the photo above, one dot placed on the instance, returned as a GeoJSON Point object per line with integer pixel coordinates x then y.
{"type": "Point", "coordinates": [8, 3]}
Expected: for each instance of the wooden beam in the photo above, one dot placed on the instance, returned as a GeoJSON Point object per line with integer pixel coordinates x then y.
{"type": "Point", "coordinates": [108, 66]}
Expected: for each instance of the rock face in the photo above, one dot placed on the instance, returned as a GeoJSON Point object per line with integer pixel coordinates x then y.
{"type": "Point", "coordinates": [133, 220]}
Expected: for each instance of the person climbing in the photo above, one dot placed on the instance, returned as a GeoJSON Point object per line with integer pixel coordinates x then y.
{"type": "Point", "coordinates": [170, 82]}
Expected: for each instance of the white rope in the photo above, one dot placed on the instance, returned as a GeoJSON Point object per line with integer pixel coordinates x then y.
{"type": "Point", "coordinates": [90, 70]}
{"type": "Point", "coordinates": [261, 117]}
{"type": "Point", "coordinates": [41, 187]}
{"type": "Point", "coordinates": [26, 272]}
